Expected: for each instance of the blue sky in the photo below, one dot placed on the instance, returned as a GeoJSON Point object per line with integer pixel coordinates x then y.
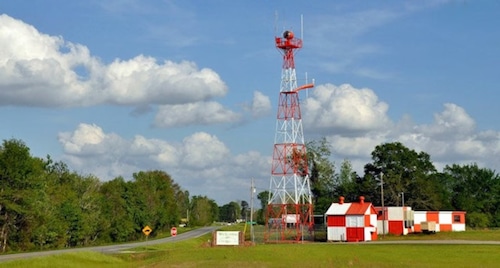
{"type": "Point", "coordinates": [190, 87]}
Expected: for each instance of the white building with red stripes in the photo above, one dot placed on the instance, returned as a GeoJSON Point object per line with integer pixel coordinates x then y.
{"type": "Point", "coordinates": [403, 220]}
{"type": "Point", "coordinates": [351, 222]}
{"type": "Point", "coordinates": [445, 221]}
{"type": "Point", "coordinates": [394, 220]}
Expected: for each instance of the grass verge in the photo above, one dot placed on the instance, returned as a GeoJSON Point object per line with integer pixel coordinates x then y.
{"type": "Point", "coordinates": [198, 253]}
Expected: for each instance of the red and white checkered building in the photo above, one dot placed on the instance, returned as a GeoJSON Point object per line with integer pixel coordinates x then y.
{"type": "Point", "coordinates": [403, 220]}
{"type": "Point", "coordinates": [446, 221]}
{"type": "Point", "coordinates": [351, 222]}
{"type": "Point", "coordinates": [394, 220]}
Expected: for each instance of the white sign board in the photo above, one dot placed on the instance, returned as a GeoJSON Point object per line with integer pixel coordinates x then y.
{"type": "Point", "coordinates": [291, 218]}
{"type": "Point", "coordinates": [227, 238]}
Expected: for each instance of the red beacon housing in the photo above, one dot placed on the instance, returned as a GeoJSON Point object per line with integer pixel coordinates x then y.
{"type": "Point", "coordinates": [288, 41]}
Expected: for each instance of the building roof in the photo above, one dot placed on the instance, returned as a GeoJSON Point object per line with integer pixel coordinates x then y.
{"type": "Point", "coordinates": [338, 209]}
{"type": "Point", "coordinates": [359, 209]}
{"type": "Point", "coordinates": [355, 208]}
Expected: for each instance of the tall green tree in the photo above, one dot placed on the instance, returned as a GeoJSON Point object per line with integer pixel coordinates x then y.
{"type": "Point", "coordinates": [46, 232]}
{"type": "Point", "coordinates": [230, 212]}
{"type": "Point", "coordinates": [183, 201]}
{"type": "Point", "coordinates": [90, 205]}
{"type": "Point", "coordinates": [79, 209]}
{"type": "Point", "coordinates": [245, 209]}
{"type": "Point", "coordinates": [346, 185]}
{"type": "Point", "coordinates": [405, 171]}
{"type": "Point", "coordinates": [368, 185]}
{"type": "Point", "coordinates": [261, 213]}
{"type": "Point", "coordinates": [476, 191]}
{"type": "Point", "coordinates": [203, 211]}
{"type": "Point", "coordinates": [20, 182]}
{"type": "Point", "coordinates": [322, 174]}
{"type": "Point", "coordinates": [118, 224]}
{"type": "Point", "coordinates": [157, 191]}
{"type": "Point", "coordinates": [54, 231]}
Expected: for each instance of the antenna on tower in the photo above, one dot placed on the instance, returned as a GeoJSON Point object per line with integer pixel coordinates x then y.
{"type": "Point", "coordinates": [276, 23]}
{"type": "Point", "coordinates": [302, 27]}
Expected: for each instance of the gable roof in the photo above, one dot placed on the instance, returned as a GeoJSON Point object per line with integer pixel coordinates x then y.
{"type": "Point", "coordinates": [359, 209]}
{"type": "Point", "coordinates": [338, 209]}
{"type": "Point", "coordinates": [356, 208]}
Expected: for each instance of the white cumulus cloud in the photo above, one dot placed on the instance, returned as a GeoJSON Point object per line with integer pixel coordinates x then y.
{"type": "Point", "coordinates": [37, 69]}
{"type": "Point", "coordinates": [199, 113]}
{"type": "Point", "coordinates": [261, 104]}
{"type": "Point", "coordinates": [202, 150]}
{"type": "Point", "coordinates": [453, 121]}
{"type": "Point", "coordinates": [451, 138]}
{"type": "Point", "coordinates": [344, 109]}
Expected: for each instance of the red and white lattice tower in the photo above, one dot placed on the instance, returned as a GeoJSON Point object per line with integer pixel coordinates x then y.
{"type": "Point", "coordinates": [289, 214]}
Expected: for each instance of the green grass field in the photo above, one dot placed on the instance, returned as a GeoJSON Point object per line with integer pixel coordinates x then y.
{"type": "Point", "coordinates": [198, 253]}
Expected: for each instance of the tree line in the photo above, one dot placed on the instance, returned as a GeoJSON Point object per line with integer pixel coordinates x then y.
{"type": "Point", "coordinates": [406, 176]}
{"type": "Point", "coordinates": [44, 205]}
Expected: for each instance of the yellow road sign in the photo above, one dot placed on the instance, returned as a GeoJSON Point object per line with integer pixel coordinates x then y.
{"type": "Point", "coordinates": [147, 230]}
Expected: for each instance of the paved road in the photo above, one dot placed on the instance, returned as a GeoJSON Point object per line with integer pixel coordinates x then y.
{"type": "Point", "coordinates": [112, 248]}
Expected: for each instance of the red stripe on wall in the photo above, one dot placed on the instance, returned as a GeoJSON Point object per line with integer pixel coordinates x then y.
{"type": "Point", "coordinates": [355, 234]}
{"type": "Point", "coordinates": [396, 227]}
{"type": "Point", "coordinates": [336, 220]}
{"type": "Point", "coordinates": [445, 228]}
{"type": "Point", "coordinates": [433, 216]}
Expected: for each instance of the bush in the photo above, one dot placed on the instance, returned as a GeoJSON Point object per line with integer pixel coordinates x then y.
{"type": "Point", "coordinates": [478, 220]}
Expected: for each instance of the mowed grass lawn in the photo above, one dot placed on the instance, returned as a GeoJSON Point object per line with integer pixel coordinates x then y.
{"type": "Point", "coordinates": [198, 253]}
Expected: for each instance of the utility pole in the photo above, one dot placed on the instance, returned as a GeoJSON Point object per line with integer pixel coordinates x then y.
{"type": "Point", "coordinates": [403, 208]}
{"type": "Point", "coordinates": [252, 192]}
{"type": "Point", "coordinates": [382, 196]}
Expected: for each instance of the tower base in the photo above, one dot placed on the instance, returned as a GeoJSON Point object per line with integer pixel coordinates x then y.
{"type": "Point", "coordinates": [289, 223]}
